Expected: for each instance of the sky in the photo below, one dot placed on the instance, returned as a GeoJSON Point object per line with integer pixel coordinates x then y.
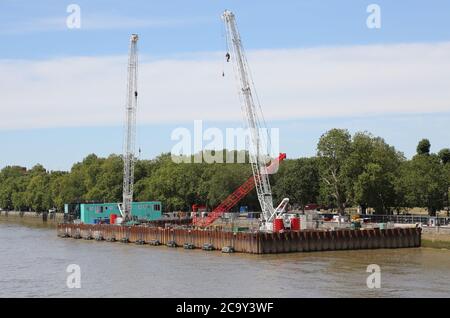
{"type": "Point", "coordinates": [316, 66]}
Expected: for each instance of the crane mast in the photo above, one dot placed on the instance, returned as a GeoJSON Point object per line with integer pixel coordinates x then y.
{"type": "Point", "coordinates": [252, 117]}
{"type": "Point", "coordinates": [130, 129]}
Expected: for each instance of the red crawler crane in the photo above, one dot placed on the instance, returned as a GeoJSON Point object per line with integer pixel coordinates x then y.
{"type": "Point", "coordinates": [227, 204]}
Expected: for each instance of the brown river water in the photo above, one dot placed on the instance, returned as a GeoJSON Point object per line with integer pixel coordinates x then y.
{"type": "Point", "coordinates": [33, 263]}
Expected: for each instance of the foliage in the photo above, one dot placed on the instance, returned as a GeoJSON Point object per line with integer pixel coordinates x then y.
{"type": "Point", "coordinates": [298, 180]}
{"type": "Point", "coordinates": [333, 150]}
{"type": "Point", "coordinates": [424, 183]}
{"type": "Point", "coordinates": [424, 146]}
{"type": "Point", "coordinates": [360, 170]}
{"type": "Point", "coordinates": [444, 155]}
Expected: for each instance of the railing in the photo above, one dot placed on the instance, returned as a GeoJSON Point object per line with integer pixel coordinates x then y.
{"type": "Point", "coordinates": [406, 219]}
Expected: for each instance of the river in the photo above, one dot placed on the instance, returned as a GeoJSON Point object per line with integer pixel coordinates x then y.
{"type": "Point", "coordinates": [33, 263]}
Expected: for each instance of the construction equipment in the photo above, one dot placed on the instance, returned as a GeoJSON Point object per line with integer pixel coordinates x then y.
{"type": "Point", "coordinates": [233, 199]}
{"type": "Point", "coordinates": [130, 130]}
{"type": "Point", "coordinates": [253, 118]}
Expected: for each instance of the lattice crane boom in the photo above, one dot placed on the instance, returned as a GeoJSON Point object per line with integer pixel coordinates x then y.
{"type": "Point", "coordinates": [130, 129]}
{"type": "Point", "coordinates": [253, 118]}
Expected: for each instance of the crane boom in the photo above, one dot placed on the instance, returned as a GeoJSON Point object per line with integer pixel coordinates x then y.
{"type": "Point", "coordinates": [233, 199]}
{"type": "Point", "coordinates": [130, 129]}
{"type": "Point", "coordinates": [252, 117]}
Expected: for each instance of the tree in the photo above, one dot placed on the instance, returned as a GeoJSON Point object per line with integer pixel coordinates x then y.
{"type": "Point", "coordinates": [375, 188]}
{"type": "Point", "coordinates": [19, 201]}
{"type": "Point", "coordinates": [11, 181]}
{"type": "Point", "coordinates": [38, 196]}
{"type": "Point", "coordinates": [72, 187]}
{"type": "Point", "coordinates": [360, 170]}
{"type": "Point", "coordinates": [446, 168]}
{"type": "Point", "coordinates": [224, 180]}
{"type": "Point", "coordinates": [56, 183]}
{"type": "Point", "coordinates": [175, 184]}
{"type": "Point", "coordinates": [298, 180]}
{"type": "Point", "coordinates": [108, 181]}
{"type": "Point", "coordinates": [333, 149]}
{"type": "Point", "coordinates": [373, 168]}
{"type": "Point", "coordinates": [424, 183]}
{"type": "Point", "coordinates": [6, 192]}
{"type": "Point", "coordinates": [444, 155]}
{"type": "Point", "coordinates": [423, 148]}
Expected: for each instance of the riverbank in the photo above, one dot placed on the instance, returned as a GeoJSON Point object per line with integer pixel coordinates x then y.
{"type": "Point", "coordinates": [32, 219]}
{"type": "Point", "coordinates": [436, 237]}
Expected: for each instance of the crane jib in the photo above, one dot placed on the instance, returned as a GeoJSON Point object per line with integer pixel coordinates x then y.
{"type": "Point", "coordinates": [253, 117]}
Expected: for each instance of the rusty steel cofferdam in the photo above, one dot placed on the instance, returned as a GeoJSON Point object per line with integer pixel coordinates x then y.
{"type": "Point", "coordinates": [247, 242]}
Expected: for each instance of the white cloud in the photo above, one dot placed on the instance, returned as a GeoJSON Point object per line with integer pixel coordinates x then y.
{"type": "Point", "coordinates": [297, 83]}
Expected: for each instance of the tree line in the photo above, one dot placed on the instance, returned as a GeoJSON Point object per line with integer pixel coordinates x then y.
{"type": "Point", "coordinates": [348, 171]}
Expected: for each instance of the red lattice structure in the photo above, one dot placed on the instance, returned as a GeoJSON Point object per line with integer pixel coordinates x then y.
{"type": "Point", "coordinates": [233, 199]}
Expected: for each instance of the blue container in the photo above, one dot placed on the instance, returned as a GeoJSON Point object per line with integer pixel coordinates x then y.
{"type": "Point", "coordinates": [151, 210]}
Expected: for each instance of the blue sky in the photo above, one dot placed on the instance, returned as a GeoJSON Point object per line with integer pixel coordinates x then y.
{"type": "Point", "coordinates": [330, 84]}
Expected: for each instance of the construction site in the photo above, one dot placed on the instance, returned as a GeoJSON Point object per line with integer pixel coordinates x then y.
{"type": "Point", "coordinates": [272, 229]}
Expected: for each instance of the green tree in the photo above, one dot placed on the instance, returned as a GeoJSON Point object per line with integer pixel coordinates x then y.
{"type": "Point", "coordinates": [373, 168]}
{"type": "Point", "coordinates": [444, 155]}
{"type": "Point", "coordinates": [424, 183]}
{"type": "Point", "coordinates": [11, 181]}
{"type": "Point", "coordinates": [224, 180]}
{"type": "Point", "coordinates": [56, 190]}
{"type": "Point", "coordinates": [333, 150]}
{"type": "Point", "coordinates": [108, 181]}
{"type": "Point", "coordinates": [172, 183]}
{"type": "Point", "coordinates": [72, 187]}
{"type": "Point", "coordinates": [446, 168]}
{"type": "Point", "coordinates": [423, 148]}
{"type": "Point", "coordinates": [375, 188]}
{"type": "Point", "coordinates": [38, 195]}
{"type": "Point", "coordinates": [298, 180]}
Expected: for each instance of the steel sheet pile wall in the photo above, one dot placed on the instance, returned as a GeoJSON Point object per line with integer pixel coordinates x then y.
{"type": "Point", "coordinates": [256, 243]}
{"type": "Point", "coordinates": [306, 241]}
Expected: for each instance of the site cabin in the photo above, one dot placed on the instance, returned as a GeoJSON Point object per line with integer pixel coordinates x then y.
{"type": "Point", "coordinates": [93, 213]}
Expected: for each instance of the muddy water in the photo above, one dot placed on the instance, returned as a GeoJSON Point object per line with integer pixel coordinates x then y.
{"type": "Point", "coordinates": [33, 263]}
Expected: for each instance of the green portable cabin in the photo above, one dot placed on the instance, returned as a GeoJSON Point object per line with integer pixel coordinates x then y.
{"type": "Point", "coordinates": [94, 212]}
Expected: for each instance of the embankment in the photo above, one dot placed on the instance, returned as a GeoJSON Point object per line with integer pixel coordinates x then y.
{"type": "Point", "coordinates": [44, 216]}
{"type": "Point", "coordinates": [436, 237]}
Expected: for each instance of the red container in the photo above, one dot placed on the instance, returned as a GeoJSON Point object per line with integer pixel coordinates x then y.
{"type": "Point", "coordinates": [112, 218]}
{"type": "Point", "coordinates": [278, 225]}
{"type": "Point", "coordinates": [295, 224]}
